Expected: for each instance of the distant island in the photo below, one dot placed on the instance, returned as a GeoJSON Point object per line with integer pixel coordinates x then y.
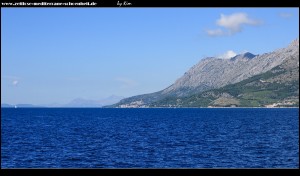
{"type": "Point", "coordinates": [246, 80]}
{"type": "Point", "coordinates": [4, 105]}
{"type": "Point", "coordinates": [75, 103]}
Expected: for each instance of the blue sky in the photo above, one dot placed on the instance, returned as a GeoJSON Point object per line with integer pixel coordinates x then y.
{"type": "Point", "coordinates": [54, 55]}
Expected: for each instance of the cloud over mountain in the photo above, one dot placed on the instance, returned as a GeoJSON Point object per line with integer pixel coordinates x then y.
{"type": "Point", "coordinates": [227, 55]}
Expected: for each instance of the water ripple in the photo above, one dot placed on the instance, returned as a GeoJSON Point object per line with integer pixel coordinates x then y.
{"type": "Point", "coordinates": [149, 138]}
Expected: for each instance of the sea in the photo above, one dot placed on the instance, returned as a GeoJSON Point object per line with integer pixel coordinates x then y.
{"type": "Point", "coordinates": [150, 138]}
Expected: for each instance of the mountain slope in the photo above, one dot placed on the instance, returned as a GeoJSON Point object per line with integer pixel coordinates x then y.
{"type": "Point", "coordinates": [278, 87]}
{"type": "Point", "coordinates": [212, 73]}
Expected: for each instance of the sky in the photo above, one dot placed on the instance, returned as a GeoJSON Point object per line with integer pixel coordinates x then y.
{"type": "Point", "coordinates": [55, 55]}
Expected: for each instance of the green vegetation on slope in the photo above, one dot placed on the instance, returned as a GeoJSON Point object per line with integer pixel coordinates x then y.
{"type": "Point", "coordinates": [277, 87]}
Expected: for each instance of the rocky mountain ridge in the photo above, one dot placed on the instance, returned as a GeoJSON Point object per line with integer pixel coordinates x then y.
{"type": "Point", "coordinates": [212, 73]}
{"type": "Point", "coordinates": [278, 87]}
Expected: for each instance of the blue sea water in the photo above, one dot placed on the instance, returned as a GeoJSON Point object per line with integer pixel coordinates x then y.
{"type": "Point", "coordinates": [149, 138]}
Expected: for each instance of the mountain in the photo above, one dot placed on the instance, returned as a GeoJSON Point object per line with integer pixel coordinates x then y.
{"type": "Point", "coordinates": [80, 102]}
{"type": "Point", "coordinates": [246, 56]}
{"type": "Point", "coordinates": [213, 73]}
{"type": "Point", "coordinates": [278, 87]}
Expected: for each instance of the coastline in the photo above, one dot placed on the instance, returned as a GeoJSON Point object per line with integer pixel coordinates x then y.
{"type": "Point", "coordinates": [150, 108]}
{"type": "Point", "coordinates": [206, 108]}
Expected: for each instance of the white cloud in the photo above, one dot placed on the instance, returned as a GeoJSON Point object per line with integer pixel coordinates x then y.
{"type": "Point", "coordinates": [216, 32]}
{"type": "Point", "coordinates": [235, 21]}
{"type": "Point", "coordinates": [232, 23]}
{"type": "Point", "coordinates": [227, 55]}
{"type": "Point", "coordinates": [126, 82]}
{"type": "Point", "coordinates": [15, 82]}
{"type": "Point", "coordinates": [285, 15]}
